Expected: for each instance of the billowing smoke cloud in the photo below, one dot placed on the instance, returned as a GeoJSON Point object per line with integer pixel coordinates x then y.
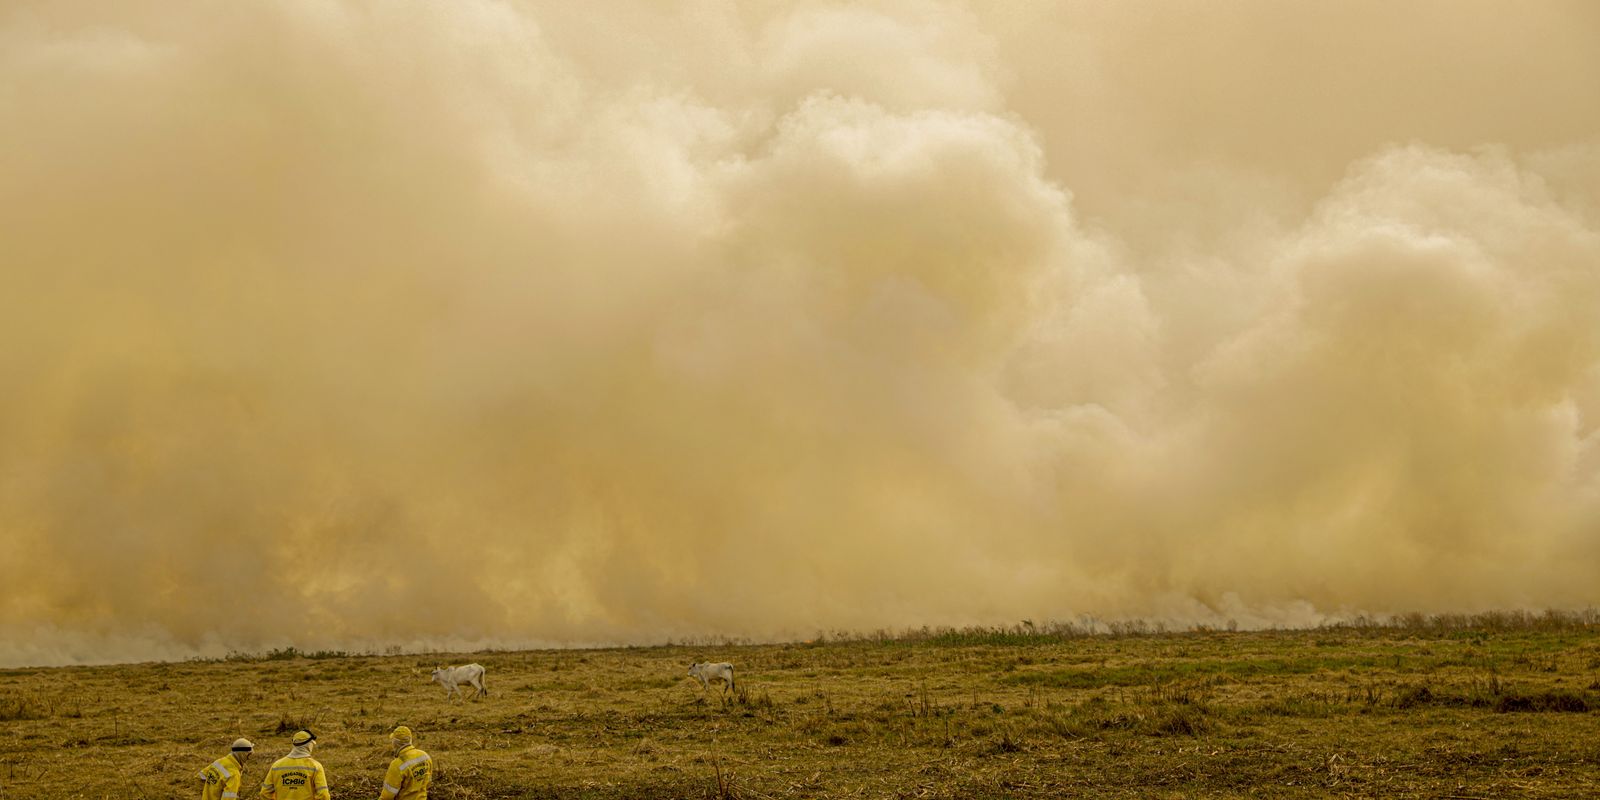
{"type": "Point", "coordinates": [339, 324]}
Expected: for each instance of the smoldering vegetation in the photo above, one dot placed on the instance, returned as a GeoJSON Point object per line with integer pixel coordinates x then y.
{"type": "Point", "coordinates": [345, 326]}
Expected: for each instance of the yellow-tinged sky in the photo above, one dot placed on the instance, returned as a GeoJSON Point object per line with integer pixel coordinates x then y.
{"type": "Point", "coordinates": [343, 324]}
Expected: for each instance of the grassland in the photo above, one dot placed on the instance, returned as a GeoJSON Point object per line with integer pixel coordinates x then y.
{"type": "Point", "coordinates": [1481, 708]}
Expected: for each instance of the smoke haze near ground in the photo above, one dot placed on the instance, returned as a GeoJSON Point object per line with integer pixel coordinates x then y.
{"type": "Point", "coordinates": [347, 325]}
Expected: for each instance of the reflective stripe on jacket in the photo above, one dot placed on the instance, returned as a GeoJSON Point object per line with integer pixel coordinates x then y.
{"type": "Point", "coordinates": [408, 777]}
{"type": "Point", "coordinates": [295, 779]}
{"type": "Point", "coordinates": [220, 780]}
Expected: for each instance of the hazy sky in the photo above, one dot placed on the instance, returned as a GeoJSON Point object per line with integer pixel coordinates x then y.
{"type": "Point", "coordinates": [344, 324]}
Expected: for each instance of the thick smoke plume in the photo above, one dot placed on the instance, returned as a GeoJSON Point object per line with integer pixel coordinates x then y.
{"type": "Point", "coordinates": [345, 324]}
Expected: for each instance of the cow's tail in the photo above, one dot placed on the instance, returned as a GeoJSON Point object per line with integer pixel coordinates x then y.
{"type": "Point", "coordinates": [732, 684]}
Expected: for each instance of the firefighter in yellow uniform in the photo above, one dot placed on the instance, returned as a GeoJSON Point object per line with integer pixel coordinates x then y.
{"type": "Point", "coordinates": [220, 781]}
{"type": "Point", "coordinates": [410, 772]}
{"type": "Point", "coordinates": [297, 776]}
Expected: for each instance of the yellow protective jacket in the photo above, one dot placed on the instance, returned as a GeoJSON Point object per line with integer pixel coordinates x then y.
{"type": "Point", "coordinates": [292, 778]}
{"type": "Point", "coordinates": [220, 781]}
{"type": "Point", "coordinates": [408, 777]}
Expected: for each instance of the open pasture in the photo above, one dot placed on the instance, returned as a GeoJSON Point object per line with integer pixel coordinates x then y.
{"type": "Point", "coordinates": [1468, 710]}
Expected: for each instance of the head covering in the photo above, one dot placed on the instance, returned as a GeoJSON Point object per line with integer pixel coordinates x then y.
{"type": "Point", "coordinates": [302, 738]}
{"type": "Point", "coordinates": [400, 735]}
{"type": "Point", "coordinates": [242, 745]}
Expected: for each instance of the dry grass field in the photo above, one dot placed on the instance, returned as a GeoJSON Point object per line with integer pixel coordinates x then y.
{"type": "Point", "coordinates": [1487, 707]}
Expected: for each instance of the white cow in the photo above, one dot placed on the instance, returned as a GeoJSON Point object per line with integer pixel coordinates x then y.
{"type": "Point", "coordinates": [452, 677]}
{"type": "Point", "coordinates": [707, 672]}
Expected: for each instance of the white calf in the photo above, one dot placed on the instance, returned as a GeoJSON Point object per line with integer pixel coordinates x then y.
{"type": "Point", "coordinates": [452, 677]}
{"type": "Point", "coordinates": [705, 673]}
